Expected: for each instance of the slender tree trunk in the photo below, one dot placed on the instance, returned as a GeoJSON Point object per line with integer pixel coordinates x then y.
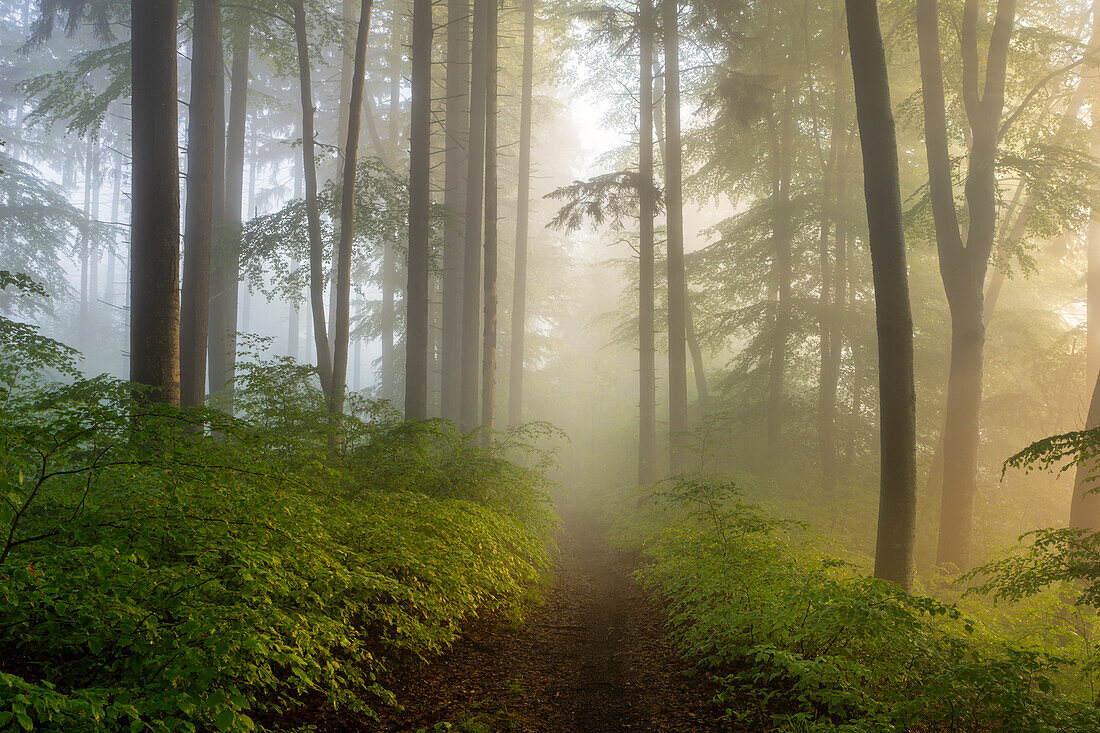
{"type": "Point", "coordinates": [893, 317]}
{"type": "Point", "coordinates": [84, 326]}
{"type": "Point", "coordinates": [389, 318]}
{"type": "Point", "coordinates": [454, 200]}
{"type": "Point", "coordinates": [963, 266]}
{"type": "Point", "coordinates": [116, 205]}
{"type": "Point", "coordinates": [674, 205]}
{"type": "Point", "coordinates": [647, 365]}
{"type": "Point", "coordinates": [293, 330]}
{"type": "Point", "coordinates": [698, 370]}
{"type": "Point", "coordinates": [201, 139]}
{"type": "Point", "coordinates": [313, 215]}
{"type": "Point", "coordinates": [471, 301]}
{"type": "Point", "coordinates": [489, 338]}
{"type": "Point", "coordinates": [225, 276]}
{"type": "Point", "coordinates": [783, 272]}
{"type": "Point", "coordinates": [347, 217]}
{"type": "Point", "coordinates": [93, 251]}
{"type": "Point", "coordinates": [519, 288]}
{"type": "Point", "coordinates": [155, 247]}
{"type": "Point", "coordinates": [416, 295]}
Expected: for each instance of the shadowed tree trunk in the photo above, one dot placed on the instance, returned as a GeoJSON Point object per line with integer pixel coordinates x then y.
{"type": "Point", "coordinates": [155, 246]}
{"type": "Point", "coordinates": [416, 295]}
{"type": "Point", "coordinates": [647, 366]}
{"type": "Point", "coordinates": [225, 274]}
{"type": "Point", "coordinates": [201, 139]}
{"type": "Point", "coordinates": [674, 205]}
{"type": "Point", "coordinates": [519, 288]}
{"type": "Point", "coordinates": [475, 180]}
{"type": "Point", "coordinates": [893, 318]}
{"type": "Point", "coordinates": [963, 266]}
{"type": "Point", "coordinates": [347, 216]}
{"type": "Point", "coordinates": [313, 214]}
{"type": "Point", "coordinates": [454, 199]}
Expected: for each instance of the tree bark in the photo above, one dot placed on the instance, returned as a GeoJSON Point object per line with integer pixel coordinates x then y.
{"type": "Point", "coordinates": [519, 287]}
{"type": "Point", "coordinates": [155, 247]}
{"type": "Point", "coordinates": [471, 301]}
{"type": "Point", "coordinates": [674, 205]}
{"type": "Point", "coordinates": [647, 365]}
{"type": "Point", "coordinates": [313, 214]}
{"type": "Point", "coordinates": [416, 295]}
{"type": "Point", "coordinates": [454, 200]}
{"type": "Point", "coordinates": [225, 275]}
{"type": "Point", "coordinates": [893, 317]}
{"type": "Point", "coordinates": [198, 234]}
{"type": "Point", "coordinates": [342, 333]}
{"type": "Point", "coordinates": [963, 267]}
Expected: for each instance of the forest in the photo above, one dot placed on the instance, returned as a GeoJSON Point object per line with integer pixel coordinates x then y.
{"type": "Point", "coordinates": [550, 365]}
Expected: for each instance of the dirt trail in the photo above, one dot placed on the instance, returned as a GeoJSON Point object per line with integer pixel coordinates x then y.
{"type": "Point", "coordinates": [594, 658]}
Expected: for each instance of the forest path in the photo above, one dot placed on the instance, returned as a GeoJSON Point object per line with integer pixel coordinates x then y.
{"type": "Point", "coordinates": [595, 657]}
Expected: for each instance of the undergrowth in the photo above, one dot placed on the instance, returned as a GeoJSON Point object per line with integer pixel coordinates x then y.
{"type": "Point", "coordinates": [798, 640]}
{"type": "Point", "coordinates": [174, 571]}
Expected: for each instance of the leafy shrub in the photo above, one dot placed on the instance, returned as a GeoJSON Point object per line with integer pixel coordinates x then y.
{"type": "Point", "coordinates": [798, 640]}
{"type": "Point", "coordinates": [153, 577]}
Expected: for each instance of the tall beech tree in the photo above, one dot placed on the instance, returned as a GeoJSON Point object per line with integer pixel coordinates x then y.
{"type": "Point", "coordinates": [457, 135]}
{"type": "Point", "coordinates": [416, 295]}
{"type": "Point", "coordinates": [964, 261]}
{"type": "Point", "coordinates": [523, 215]}
{"type": "Point", "coordinates": [647, 350]}
{"type": "Point", "coordinates": [155, 229]}
{"type": "Point", "coordinates": [893, 318]}
{"type": "Point", "coordinates": [674, 208]}
{"type": "Point", "coordinates": [225, 271]}
{"type": "Point", "coordinates": [342, 332]}
{"type": "Point", "coordinates": [202, 137]}
{"type": "Point", "coordinates": [475, 197]}
{"type": "Point", "coordinates": [313, 213]}
{"type": "Point", "coordinates": [489, 299]}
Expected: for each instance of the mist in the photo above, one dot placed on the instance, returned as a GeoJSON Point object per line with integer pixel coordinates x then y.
{"type": "Point", "coordinates": [671, 365]}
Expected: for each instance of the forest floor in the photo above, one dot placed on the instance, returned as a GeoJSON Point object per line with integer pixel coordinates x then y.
{"type": "Point", "coordinates": [594, 657]}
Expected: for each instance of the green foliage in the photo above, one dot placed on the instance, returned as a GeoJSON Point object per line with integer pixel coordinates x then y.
{"type": "Point", "coordinates": [798, 640]}
{"type": "Point", "coordinates": [155, 578]}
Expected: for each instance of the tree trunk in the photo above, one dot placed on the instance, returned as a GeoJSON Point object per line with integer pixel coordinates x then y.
{"type": "Point", "coordinates": [155, 246]}
{"type": "Point", "coordinates": [674, 204]}
{"type": "Point", "coordinates": [489, 340]}
{"type": "Point", "coordinates": [782, 232]}
{"type": "Point", "coordinates": [201, 139]}
{"type": "Point", "coordinates": [293, 331]}
{"type": "Point", "coordinates": [225, 276]}
{"type": "Point", "coordinates": [313, 215]}
{"type": "Point", "coordinates": [647, 365]}
{"type": "Point", "coordinates": [471, 302]}
{"type": "Point", "coordinates": [963, 263]}
{"type": "Point", "coordinates": [698, 370]}
{"type": "Point", "coordinates": [454, 200]}
{"type": "Point", "coordinates": [84, 328]}
{"type": "Point", "coordinates": [519, 287]}
{"type": "Point", "coordinates": [893, 317]}
{"type": "Point", "coordinates": [416, 295]}
{"type": "Point", "coordinates": [342, 333]}
{"type": "Point", "coordinates": [116, 205]}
